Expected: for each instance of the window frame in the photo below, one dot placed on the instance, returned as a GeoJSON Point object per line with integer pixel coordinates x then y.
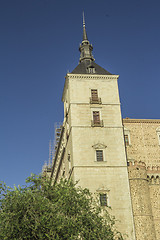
{"type": "Point", "coordinates": [98, 157]}
{"type": "Point", "coordinates": [103, 199]}
{"type": "Point", "coordinates": [94, 92]}
{"type": "Point", "coordinates": [96, 117]}
{"type": "Point", "coordinates": [94, 123]}
{"type": "Point", "coordinates": [100, 147]}
{"type": "Point", "coordinates": [95, 99]}
{"type": "Point", "coordinates": [126, 137]}
{"type": "Point", "coordinates": [127, 133]}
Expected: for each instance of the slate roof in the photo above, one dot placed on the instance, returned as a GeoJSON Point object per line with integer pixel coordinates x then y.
{"type": "Point", "coordinates": [82, 68]}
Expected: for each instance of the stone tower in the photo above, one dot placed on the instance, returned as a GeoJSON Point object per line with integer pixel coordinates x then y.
{"type": "Point", "coordinates": [91, 145]}
{"type": "Point", "coordinates": [141, 202]}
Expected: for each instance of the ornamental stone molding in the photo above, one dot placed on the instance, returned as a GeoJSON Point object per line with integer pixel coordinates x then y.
{"type": "Point", "coordinates": [99, 146]}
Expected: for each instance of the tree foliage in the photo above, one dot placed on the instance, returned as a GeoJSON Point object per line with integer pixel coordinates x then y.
{"type": "Point", "coordinates": [45, 211]}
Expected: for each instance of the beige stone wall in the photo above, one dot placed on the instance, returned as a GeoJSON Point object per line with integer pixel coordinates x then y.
{"type": "Point", "coordinates": [144, 145]}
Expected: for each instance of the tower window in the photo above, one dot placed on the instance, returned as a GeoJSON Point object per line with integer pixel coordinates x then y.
{"type": "Point", "coordinates": [94, 94]}
{"type": "Point", "coordinates": [96, 122]}
{"type": "Point", "coordinates": [99, 155]}
{"type": "Point", "coordinates": [96, 117]}
{"type": "Point", "coordinates": [103, 199]}
{"type": "Point", "coordinates": [94, 97]}
{"type": "Point", "coordinates": [126, 140]}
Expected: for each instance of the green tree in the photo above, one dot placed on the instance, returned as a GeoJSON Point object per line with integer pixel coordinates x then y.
{"type": "Point", "coordinates": [45, 211]}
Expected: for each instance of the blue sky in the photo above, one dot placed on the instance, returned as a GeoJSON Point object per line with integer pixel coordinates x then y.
{"type": "Point", "coordinates": [39, 44]}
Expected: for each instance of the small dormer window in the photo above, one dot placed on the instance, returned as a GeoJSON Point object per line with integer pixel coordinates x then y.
{"type": "Point", "coordinates": [91, 69]}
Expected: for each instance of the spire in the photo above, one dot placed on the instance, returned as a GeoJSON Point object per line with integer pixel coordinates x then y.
{"type": "Point", "coordinates": [84, 29]}
{"type": "Point", "coordinates": [85, 47]}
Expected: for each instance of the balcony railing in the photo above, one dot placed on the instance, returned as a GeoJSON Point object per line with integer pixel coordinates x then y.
{"type": "Point", "coordinates": [95, 100]}
{"type": "Point", "coordinates": [97, 123]}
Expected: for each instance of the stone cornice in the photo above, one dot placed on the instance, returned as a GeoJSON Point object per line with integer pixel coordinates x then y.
{"type": "Point", "coordinates": [129, 120]}
{"type": "Point", "coordinates": [92, 76]}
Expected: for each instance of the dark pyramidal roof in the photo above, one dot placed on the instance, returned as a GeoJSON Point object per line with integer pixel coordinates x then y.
{"type": "Point", "coordinates": [86, 63]}
{"type": "Point", "coordinates": [83, 68]}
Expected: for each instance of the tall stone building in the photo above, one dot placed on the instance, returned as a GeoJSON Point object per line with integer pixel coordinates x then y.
{"type": "Point", "coordinates": [117, 159]}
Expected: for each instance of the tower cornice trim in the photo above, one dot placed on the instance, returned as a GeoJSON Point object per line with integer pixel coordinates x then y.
{"type": "Point", "coordinates": [93, 77]}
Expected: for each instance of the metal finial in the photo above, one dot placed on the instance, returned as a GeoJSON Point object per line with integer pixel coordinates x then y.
{"type": "Point", "coordinates": [83, 20]}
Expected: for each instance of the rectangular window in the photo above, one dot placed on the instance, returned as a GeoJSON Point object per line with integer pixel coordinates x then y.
{"type": "Point", "coordinates": [94, 97]}
{"type": "Point", "coordinates": [103, 199]}
{"type": "Point", "coordinates": [96, 117]}
{"type": "Point", "coordinates": [99, 155]}
{"type": "Point", "coordinates": [94, 94]}
{"type": "Point", "coordinates": [126, 139]}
